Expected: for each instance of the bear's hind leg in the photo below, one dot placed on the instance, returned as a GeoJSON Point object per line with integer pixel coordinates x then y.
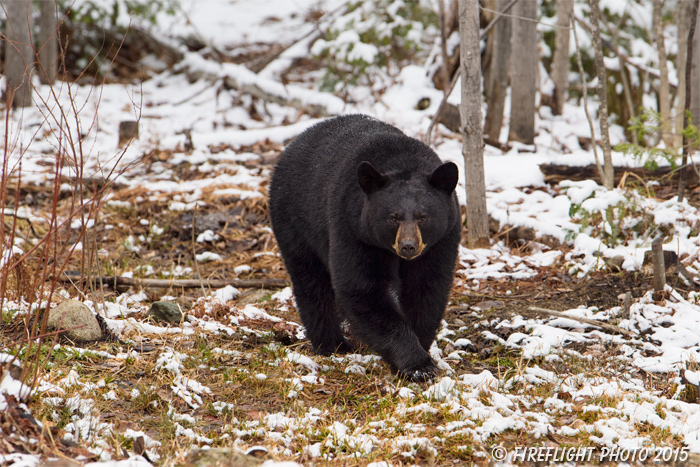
{"type": "Point", "coordinates": [316, 304]}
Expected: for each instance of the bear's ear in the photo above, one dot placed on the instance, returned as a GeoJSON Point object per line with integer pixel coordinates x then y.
{"type": "Point", "coordinates": [445, 177]}
{"type": "Point", "coordinates": [369, 178]}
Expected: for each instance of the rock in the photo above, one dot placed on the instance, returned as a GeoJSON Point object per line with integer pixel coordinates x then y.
{"type": "Point", "coordinates": [61, 463]}
{"type": "Point", "coordinates": [489, 304]}
{"type": "Point", "coordinates": [257, 451]}
{"type": "Point", "coordinates": [670, 262]}
{"type": "Point", "coordinates": [71, 314]}
{"type": "Point", "coordinates": [221, 457]}
{"type": "Point", "coordinates": [167, 312]}
{"type": "Point", "coordinates": [252, 297]}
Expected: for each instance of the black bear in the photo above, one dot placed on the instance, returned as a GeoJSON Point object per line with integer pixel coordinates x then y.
{"type": "Point", "coordinates": [368, 225]}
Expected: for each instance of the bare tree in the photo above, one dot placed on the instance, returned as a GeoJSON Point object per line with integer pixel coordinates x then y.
{"type": "Point", "coordinates": [664, 89]}
{"type": "Point", "coordinates": [560, 64]}
{"type": "Point", "coordinates": [584, 89]}
{"type": "Point", "coordinates": [694, 64]}
{"type": "Point", "coordinates": [608, 175]}
{"type": "Point", "coordinates": [48, 41]}
{"type": "Point", "coordinates": [497, 85]}
{"type": "Point", "coordinates": [19, 53]}
{"type": "Point", "coordinates": [472, 134]}
{"type": "Point", "coordinates": [683, 21]}
{"type": "Point", "coordinates": [690, 96]}
{"type": "Point", "coordinates": [523, 76]}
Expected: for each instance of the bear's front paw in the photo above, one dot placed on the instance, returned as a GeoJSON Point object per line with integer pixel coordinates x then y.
{"type": "Point", "coordinates": [420, 373]}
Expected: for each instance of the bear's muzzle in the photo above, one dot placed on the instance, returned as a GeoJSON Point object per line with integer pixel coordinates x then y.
{"type": "Point", "coordinates": [409, 243]}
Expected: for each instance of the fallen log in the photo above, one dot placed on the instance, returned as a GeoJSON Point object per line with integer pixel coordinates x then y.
{"type": "Point", "coordinates": [556, 173]}
{"type": "Point", "coordinates": [592, 322]}
{"type": "Point", "coordinates": [245, 81]}
{"type": "Point", "coordinates": [119, 281]}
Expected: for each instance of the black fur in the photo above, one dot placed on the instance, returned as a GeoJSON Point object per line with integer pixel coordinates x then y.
{"type": "Point", "coordinates": [337, 197]}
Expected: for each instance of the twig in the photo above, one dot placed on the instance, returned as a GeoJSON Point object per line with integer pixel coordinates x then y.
{"type": "Point", "coordinates": [119, 281]}
{"type": "Point", "coordinates": [41, 336]}
{"type": "Point", "coordinates": [592, 322]}
{"type": "Point", "coordinates": [194, 252]}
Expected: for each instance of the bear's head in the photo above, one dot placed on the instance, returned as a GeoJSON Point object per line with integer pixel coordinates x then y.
{"type": "Point", "coordinates": [407, 212]}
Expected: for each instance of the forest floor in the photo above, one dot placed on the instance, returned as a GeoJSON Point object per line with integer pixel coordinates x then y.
{"type": "Point", "coordinates": [235, 373]}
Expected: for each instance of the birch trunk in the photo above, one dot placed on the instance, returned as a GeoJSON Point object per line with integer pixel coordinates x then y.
{"type": "Point", "coordinates": [470, 110]}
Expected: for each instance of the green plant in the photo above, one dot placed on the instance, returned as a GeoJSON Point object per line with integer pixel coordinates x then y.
{"type": "Point", "coordinates": [649, 127]}
{"type": "Point", "coordinates": [116, 12]}
{"type": "Point", "coordinates": [612, 216]}
{"type": "Point", "coordinates": [370, 35]}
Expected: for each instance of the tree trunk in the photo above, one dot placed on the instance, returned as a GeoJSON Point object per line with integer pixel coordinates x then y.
{"type": "Point", "coordinates": [444, 72]}
{"type": "Point", "coordinates": [664, 89]}
{"type": "Point", "coordinates": [470, 109]}
{"type": "Point", "coordinates": [691, 65]}
{"type": "Point", "coordinates": [560, 64]}
{"type": "Point", "coordinates": [683, 22]}
{"type": "Point", "coordinates": [19, 53]}
{"type": "Point", "coordinates": [608, 171]}
{"type": "Point", "coordinates": [694, 75]}
{"type": "Point", "coordinates": [498, 75]}
{"type": "Point", "coordinates": [524, 73]}
{"type": "Point", "coordinates": [48, 41]}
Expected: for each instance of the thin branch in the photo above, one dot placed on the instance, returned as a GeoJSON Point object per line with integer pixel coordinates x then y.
{"type": "Point", "coordinates": [119, 281]}
{"type": "Point", "coordinates": [614, 49]}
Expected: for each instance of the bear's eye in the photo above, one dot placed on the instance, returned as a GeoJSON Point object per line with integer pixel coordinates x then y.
{"type": "Point", "coordinates": [393, 219]}
{"type": "Point", "coordinates": [422, 218]}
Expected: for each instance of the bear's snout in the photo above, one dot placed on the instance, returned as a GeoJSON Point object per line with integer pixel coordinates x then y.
{"type": "Point", "coordinates": [408, 249]}
{"type": "Point", "coordinates": [409, 242]}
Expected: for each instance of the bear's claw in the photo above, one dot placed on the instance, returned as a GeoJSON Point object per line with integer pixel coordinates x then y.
{"type": "Point", "coordinates": [420, 375]}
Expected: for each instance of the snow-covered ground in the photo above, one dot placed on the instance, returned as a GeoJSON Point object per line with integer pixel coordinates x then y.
{"type": "Point", "coordinates": [666, 338]}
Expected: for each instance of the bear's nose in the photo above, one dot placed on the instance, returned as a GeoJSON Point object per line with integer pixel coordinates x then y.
{"type": "Point", "coordinates": [409, 249]}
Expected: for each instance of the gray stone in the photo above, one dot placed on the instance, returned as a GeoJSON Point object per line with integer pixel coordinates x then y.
{"type": "Point", "coordinates": [222, 457]}
{"type": "Point", "coordinates": [74, 314]}
{"type": "Point", "coordinates": [252, 297]}
{"type": "Point", "coordinates": [167, 312]}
